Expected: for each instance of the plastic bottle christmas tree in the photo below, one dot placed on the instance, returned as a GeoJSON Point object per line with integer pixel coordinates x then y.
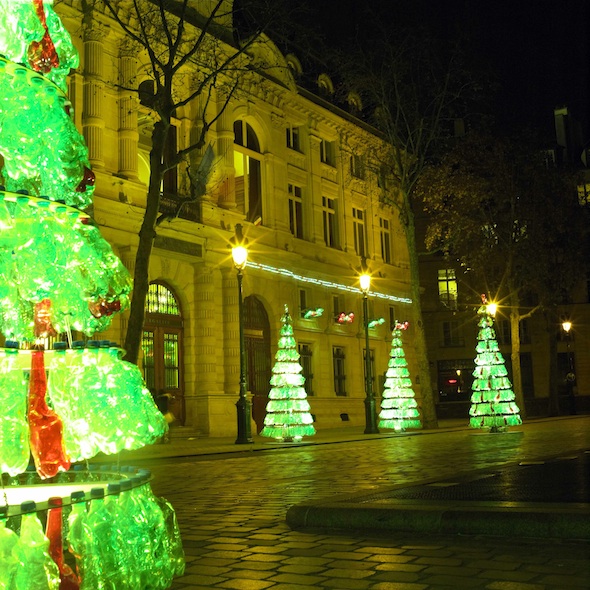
{"type": "Point", "coordinates": [59, 275]}
{"type": "Point", "coordinates": [288, 418]}
{"type": "Point", "coordinates": [492, 399]}
{"type": "Point", "coordinates": [399, 409]}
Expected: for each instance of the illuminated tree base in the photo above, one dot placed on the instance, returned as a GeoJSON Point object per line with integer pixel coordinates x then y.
{"type": "Point", "coordinates": [288, 433]}
{"type": "Point", "coordinates": [102, 528]}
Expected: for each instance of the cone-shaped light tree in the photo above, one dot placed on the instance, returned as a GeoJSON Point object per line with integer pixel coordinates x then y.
{"type": "Point", "coordinates": [288, 418]}
{"type": "Point", "coordinates": [399, 409]}
{"type": "Point", "coordinates": [492, 399]}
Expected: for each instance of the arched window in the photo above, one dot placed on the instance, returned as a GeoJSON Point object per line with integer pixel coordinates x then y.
{"type": "Point", "coordinates": [248, 167]}
{"type": "Point", "coordinates": [163, 351]}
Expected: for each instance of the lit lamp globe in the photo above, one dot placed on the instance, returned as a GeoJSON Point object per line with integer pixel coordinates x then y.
{"type": "Point", "coordinates": [567, 326]}
{"type": "Point", "coordinates": [492, 308]}
{"type": "Point", "coordinates": [240, 256]}
{"type": "Point", "coordinates": [365, 281]}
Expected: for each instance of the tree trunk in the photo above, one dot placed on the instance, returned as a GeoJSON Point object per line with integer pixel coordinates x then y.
{"type": "Point", "coordinates": [428, 407]}
{"type": "Point", "coordinates": [515, 356]}
{"type": "Point", "coordinates": [147, 235]}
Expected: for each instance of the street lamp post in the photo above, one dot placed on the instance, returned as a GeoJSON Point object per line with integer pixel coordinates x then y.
{"type": "Point", "coordinates": [239, 254]}
{"type": "Point", "coordinates": [570, 378]}
{"type": "Point", "coordinates": [370, 411]}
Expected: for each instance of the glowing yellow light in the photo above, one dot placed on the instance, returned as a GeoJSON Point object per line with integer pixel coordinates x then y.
{"type": "Point", "coordinates": [240, 256]}
{"type": "Point", "coordinates": [365, 281]}
{"type": "Point", "coordinates": [567, 326]}
{"type": "Point", "coordinates": [492, 308]}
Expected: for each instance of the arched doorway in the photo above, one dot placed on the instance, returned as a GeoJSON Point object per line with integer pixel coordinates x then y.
{"type": "Point", "coordinates": [258, 361]}
{"type": "Point", "coordinates": [162, 346]}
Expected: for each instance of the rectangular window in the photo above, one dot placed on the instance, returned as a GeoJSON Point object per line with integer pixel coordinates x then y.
{"type": "Point", "coordinates": [293, 138]}
{"type": "Point", "coordinates": [358, 224]}
{"type": "Point", "coordinates": [302, 302]}
{"type": "Point", "coordinates": [171, 361]}
{"type": "Point", "coordinates": [296, 210]}
{"type": "Point", "coordinates": [385, 239]}
{"type": "Point", "coordinates": [328, 152]}
{"type": "Point", "coordinates": [392, 318]}
{"type": "Point", "coordinates": [337, 305]}
{"type": "Point", "coordinates": [149, 369]}
{"type": "Point", "coordinates": [338, 358]}
{"type": "Point", "coordinates": [357, 166]}
{"type": "Point", "coordinates": [329, 221]}
{"type": "Point", "coordinates": [451, 334]}
{"type": "Point", "coordinates": [447, 287]}
{"type": "Point", "coordinates": [305, 359]}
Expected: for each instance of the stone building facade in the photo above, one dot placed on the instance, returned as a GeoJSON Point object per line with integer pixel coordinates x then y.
{"type": "Point", "coordinates": [297, 173]}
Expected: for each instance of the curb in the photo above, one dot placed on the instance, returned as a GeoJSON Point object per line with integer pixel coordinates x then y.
{"type": "Point", "coordinates": [540, 520]}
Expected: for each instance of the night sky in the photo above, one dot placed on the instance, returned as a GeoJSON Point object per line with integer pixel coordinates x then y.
{"type": "Point", "coordinates": [539, 50]}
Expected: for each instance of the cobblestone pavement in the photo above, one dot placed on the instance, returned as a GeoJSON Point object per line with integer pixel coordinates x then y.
{"type": "Point", "coordinates": [231, 510]}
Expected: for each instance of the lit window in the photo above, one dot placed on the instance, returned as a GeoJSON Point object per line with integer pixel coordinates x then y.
{"type": "Point", "coordinates": [447, 287]}
{"type": "Point", "coordinates": [248, 167]}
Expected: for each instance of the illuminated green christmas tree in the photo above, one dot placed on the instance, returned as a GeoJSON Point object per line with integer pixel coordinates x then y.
{"type": "Point", "coordinates": [399, 409]}
{"type": "Point", "coordinates": [288, 418]}
{"type": "Point", "coordinates": [492, 400]}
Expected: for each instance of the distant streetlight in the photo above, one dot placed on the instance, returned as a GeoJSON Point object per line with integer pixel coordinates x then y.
{"type": "Point", "coordinates": [370, 413]}
{"type": "Point", "coordinates": [239, 254]}
{"type": "Point", "coordinates": [570, 378]}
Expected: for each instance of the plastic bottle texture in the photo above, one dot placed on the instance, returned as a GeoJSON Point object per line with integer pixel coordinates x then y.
{"type": "Point", "coordinates": [122, 577]}
{"type": "Point", "coordinates": [14, 430]}
{"type": "Point", "coordinates": [45, 425]}
{"type": "Point", "coordinates": [8, 561]}
{"type": "Point", "coordinates": [75, 538]}
{"type": "Point", "coordinates": [137, 532]}
{"type": "Point", "coordinates": [95, 529]}
{"type": "Point", "coordinates": [64, 400]}
{"type": "Point", "coordinates": [175, 549]}
{"type": "Point", "coordinates": [53, 531]}
{"type": "Point", "coordinates": [35, 568]}
{"type": "Point", "coordinates": [104, 545]}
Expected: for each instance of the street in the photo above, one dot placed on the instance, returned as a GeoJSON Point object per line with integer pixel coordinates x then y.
{"type": "Point", "coordinates": [231, 510]}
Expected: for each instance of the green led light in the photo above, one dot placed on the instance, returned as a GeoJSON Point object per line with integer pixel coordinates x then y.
{"type": "Point", "coordinates": [322, 283]}
{"type": "Point", "coordinates": [399, 409]}
{"type": "Point", "coordinates": [288, 417]}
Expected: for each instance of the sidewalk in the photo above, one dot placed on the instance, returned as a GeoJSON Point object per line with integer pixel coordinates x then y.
{"type": "Point", "coordinates": [189, 445]}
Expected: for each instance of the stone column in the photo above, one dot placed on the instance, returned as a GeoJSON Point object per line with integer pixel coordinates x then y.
{"type": "Point", "coordinates": [206, 341]}
{"type": "Point", "coordinates": [128, 105]}
{"type": "Point", "coordinates": [92, 118]}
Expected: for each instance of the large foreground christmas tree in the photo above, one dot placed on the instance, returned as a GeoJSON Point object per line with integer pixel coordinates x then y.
{"type": "Point", "coordinates": [399, 409]}
{"type": "Point", "coordinates": [61, 283]}
{"type": "Point", "coordinates": [288, 417]}
{"type": "Point", "coordinates": [492, 400]}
